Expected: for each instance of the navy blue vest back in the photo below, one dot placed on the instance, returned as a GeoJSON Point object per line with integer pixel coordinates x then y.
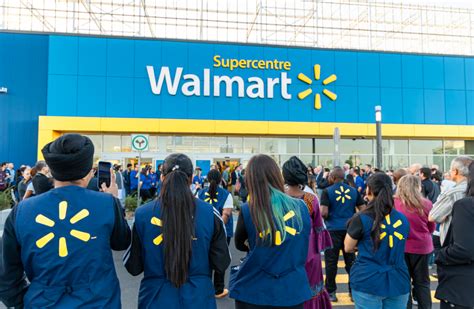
{"type": "Point", "coordinates": [343, 199]}
{"type": "Point", "coordinates": [156, 291]}
{"type": "Point", "coordinates": [218, 204]}
{"type": "Point", "coordinates": [276, 275]}
{"type": "Point", "coordinates": [64, 236]}
{"type": "Point", "coordinates": [382, 272]}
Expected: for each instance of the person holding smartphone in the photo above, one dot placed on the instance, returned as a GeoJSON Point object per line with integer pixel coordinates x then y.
{"type": "Point", "coordinates": [57, 246]}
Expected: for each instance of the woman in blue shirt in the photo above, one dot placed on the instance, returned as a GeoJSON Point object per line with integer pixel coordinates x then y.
{"type": "Point", "coordinates": [177, 241]}
{"type": "Point", "coordinates": [222, 201]}
{"type": "Point", "coordinates": [379, 276]}
{"type": "Point", "coordinates": [274, 228]}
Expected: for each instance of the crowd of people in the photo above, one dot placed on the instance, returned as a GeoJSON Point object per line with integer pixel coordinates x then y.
{"type": "Point", "coordinates": [390, 227]}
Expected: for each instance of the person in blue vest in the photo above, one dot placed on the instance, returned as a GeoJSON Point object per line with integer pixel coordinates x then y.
{"type": "Point", "coordinates": [134, 179]}
{"type": "Point", "coordinates": [177, 240]}
{"type": "Point", "coordinates": [338, 204]}
{"type": "Point", "coordinates": [57, 246]}
{"type": "Point", "coordinates": [274, 229]}
{"type": "Point", "coordinates": [145, 184]}
{"type": "Point", "coordinates": [379, 276]}
{"type": "Point", "coordinates": [222, 201]}
{"type": "Point", "coordinates": [154, 182]}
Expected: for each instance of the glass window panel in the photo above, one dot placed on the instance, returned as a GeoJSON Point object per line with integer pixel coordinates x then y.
{"type": "Point", "coordinates": [309, 160]}
{"type": "Point", "coordinates": [325, 161]}
{"type": "Point", "coordinates": [235, 144]}
{"type": "Point", "coordinates": [112, 143]}
{"type": "Point", "coordinates": [251, 145]}
{"type": "Point", "coordinates": [306, 145]}
{"type": "Point", "coordinates": [218, 144]}
{"type": "Point", "coordinates": [357, 159]}
{"type": "Point", "coordinates": [97, 141]}
{"type": "Point", "coordinates": [126, 143]}
{"type": "Point", "coordinates": [400, 146]}
{"type": "Point", "coordinates": [454, 147]}
{"type": "Point", "coordinates": [183, 144]}
{"type": "Point", "coordinates": [269, 145]}
{"type": "Point", "coordinates": [426, 147]}
{"type": "Point", "coordinates": [395, 162]}
{"type": "Point", "coordinates": [427, 159]}
{"type": "Point", "coordinates": [292, 145]}
{"type": "Point", "coordinates": [166, 143]}
{"type": "Point", "coordinates": [152, 143]}
{"type": "Point", "coordinates": [202, 144]}
{"type": "Point", "coordinates": [324, 146]}
{"type": "Point", "coordinates": [356, 146]}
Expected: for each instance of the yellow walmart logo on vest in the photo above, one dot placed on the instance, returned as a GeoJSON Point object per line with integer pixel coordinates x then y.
{"type": "Point", "coordinates": [253, 87]}
{"type": "Point", "coordinates": [62, 243]}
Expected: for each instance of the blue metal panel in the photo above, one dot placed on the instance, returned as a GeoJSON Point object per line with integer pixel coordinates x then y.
{"type": "Point", "coordinates": [62, 95]}
{"type": "Point", "coordinates": [92, 56]}
{"type": "Point", "coordinates": [412, 71]}
{"type": "Point", "coordinates": [25, 76]}
{"type": "Point", "coordinates": [470, 107]}
{"type": "Point", "coordinates": [347, 109]}
{"type": "Point", "coordinates": [120, 58]}
{"type": "Point", "coordinates": [120, 96]}
{"type": "Point", "coordinates": [346, 68]}
{"type": "Point", "coordinates": [469, 64]}
{"type": "Point", "coordinates": [434, 106]}
{"type": "Point", "coordinates": [456, 112]}
{"type": "Point", "coordinates": [413, 106]}
{"type": "Point", "coordinates": [390, 70]}
{"type": "Point", "coordinates": [368, 69]}
{"type": "Point", "coordinates": [392, 105]}
{"type": "Point", "coordinates": [433, 72]}
{"type": "Point", "coordinates": [63, 51]}
{"type": "Point", "coordinates": [454, 73]}
{"type": "Point", "coordinates": [89, 87]}
{"type": "Point", "coordinates": [369, 97]}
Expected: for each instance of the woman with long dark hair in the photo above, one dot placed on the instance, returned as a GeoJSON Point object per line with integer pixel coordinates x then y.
{"type": "Point", "coordinates": [222, 201]}
{"type": "Point", "coordinates": [455, 258]}
{"type": "Point", "coordinates": [274, 229]}
{"type": "Point", "coordinates": [177, 241]}
{"type": "Point", "coordinates": [410, 202]}
{"type": "Point", "coordinates": [295, 176]}
{"type": "Point", "coordinates": [379, 276]}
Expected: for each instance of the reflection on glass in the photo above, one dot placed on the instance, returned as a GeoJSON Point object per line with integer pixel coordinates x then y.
{"type": "Point", "coordinates": [454, 147]}
{"type": "Point", "coordinates": [426, 146]}
{"type": "Point", "coordinates": [306, 145]}
{"type": "Point", "coordinates": [235, 144]}
{"type": "Point", "coordinates": [126, 143]}
{"type": "Point", "coordinates": [112, 143]}
{"type": "Point", "coordinates": [202, 144]}
{"type": "Point", "coordinates": [166, 144]}
{"type": "Point", "coordinates": [356, 146]}
{"type": "Point", "coordinates": [269, 145]}
{"type": "Point", "coordinates": [97, 141]}
{"type": "Point", "coordinates": [325, 146]}
{"type": "Point", "coordinates": [251, 145]}
{"type": "Point", "coordinates": [219, 144]}
{"type": "Point", "coordinates": [183, 144]}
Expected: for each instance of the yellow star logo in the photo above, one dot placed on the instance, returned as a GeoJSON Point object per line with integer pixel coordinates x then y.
{"type": "Point", "coordinates": [290, 230]}
{"type": "Point", "coordinates": [395, 233]}
{"type": "Point", "coordinates": [317, 75]}
{"type": "Point", "coordinates": [62, 247]}
{"type": "Point", "coordinates": [343, 194]}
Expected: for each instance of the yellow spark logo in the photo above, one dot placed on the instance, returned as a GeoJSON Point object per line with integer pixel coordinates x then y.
{"type": "Point", "coordinates": [62, 246]}
{"type": "Point", "coordinates": [343, 194]}
{"type": "Point", "coordinates": [210, 200]}
{"type": "Point", "coordinates": [290, 230]}
{"type": "Point", "coordinates": [159, 239]}
{"type": "Point", "coordinates": [317, 75]}
{"type": "Point", "coordinates": [395, 233]}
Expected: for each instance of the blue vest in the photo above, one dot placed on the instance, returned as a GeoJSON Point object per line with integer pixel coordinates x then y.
{"type": "Point", "coordinates": [383, 272]}
{"type": "Point", "coordinates": [218, 204]}
{"type": "Point", "coordinates": [276, 275]}
{"type": "Point", "coordinates": [133, 180]}
{"type": "Point", "coordinates": [156, 291]}
{"type": "Point", "coordinates": [64, 236]}
{"type": "Point", "coordinates": [342, 203]}
{"type": "Point", "coordinates": [146, 182]}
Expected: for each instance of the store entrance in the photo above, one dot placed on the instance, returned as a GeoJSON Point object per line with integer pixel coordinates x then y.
{"type": "Point", "coordinates": [223, 163]}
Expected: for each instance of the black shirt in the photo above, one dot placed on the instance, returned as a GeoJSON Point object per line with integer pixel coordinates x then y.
{"type": "Point", "coordinates": [42, 184]}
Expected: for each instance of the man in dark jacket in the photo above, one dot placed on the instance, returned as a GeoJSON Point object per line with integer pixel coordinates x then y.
{"type": "Point", "coordinates": [429, 188]}
{"type": "Point", "coordinates": [41, 182]}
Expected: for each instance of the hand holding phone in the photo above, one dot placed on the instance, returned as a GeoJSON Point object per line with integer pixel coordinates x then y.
{"type": "Point", "coordinates": [106, 178]}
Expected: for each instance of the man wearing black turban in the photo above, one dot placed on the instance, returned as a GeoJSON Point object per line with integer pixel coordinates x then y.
{"type": "Point", "coordinates": [62, 239]}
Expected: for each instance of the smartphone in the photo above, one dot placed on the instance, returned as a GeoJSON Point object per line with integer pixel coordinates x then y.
{"type": "Point", "coordinates": [103, 173]}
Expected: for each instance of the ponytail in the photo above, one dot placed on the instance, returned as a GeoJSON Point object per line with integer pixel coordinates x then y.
{"type": "Point", "coordinates": [177, 212]}
{"type": "Point", "coordinates": [380, 185]}
{"type": "Point", "coordinates": [214, 177]}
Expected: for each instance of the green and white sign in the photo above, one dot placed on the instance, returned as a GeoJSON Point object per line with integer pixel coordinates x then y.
{"type": "Point", "coordinates": [140, 142]}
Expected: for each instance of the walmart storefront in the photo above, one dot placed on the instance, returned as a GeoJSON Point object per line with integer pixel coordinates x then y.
{"type": "Point", "coordinates": [228, 101]}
